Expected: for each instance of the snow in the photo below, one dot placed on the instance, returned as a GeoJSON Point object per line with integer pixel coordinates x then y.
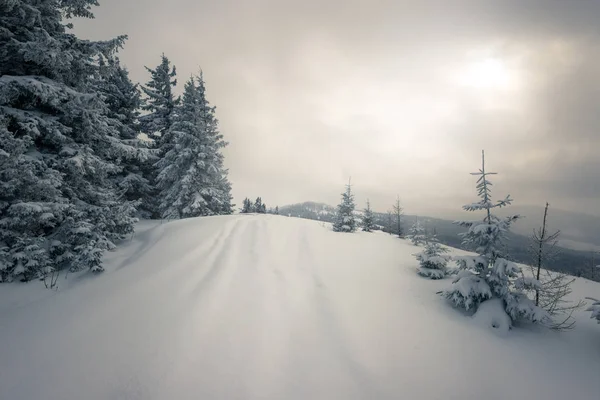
{"type": "Point", "coordinates": [439, 260]}
{"type": "Point", "coordinates": [271, 307]}
{"type": "Point", "coordinates": [491, 314]}
{"type": "Point", "coordinates": [431, 273]}
{"type": "Point", "coordinates": [470, 285]}
{"type": "Point", "coordinates": [528, 282]}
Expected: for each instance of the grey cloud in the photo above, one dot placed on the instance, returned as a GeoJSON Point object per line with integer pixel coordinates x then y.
{"type": "Point", "coordinates": [311, 92]}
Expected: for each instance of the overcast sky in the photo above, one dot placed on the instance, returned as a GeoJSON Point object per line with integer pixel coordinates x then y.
{"type": "Point", "coordinates": [400, 95]}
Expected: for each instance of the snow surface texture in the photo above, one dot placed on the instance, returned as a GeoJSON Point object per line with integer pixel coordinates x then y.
{"type": "Point", "coordinates": [271, 307]}
{"type": "Point", "coordinates": [491, 314]}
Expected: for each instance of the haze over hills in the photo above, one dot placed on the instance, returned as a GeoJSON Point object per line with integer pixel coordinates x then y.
{"type": "Point", "coordinates": [580, 233]}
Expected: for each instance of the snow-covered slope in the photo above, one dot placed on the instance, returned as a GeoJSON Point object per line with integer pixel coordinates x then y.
{"type": "Point", "coordinates": [270, 307]}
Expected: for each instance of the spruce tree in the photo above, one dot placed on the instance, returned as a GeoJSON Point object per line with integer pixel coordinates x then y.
{"type": "Point", "coordinates": [160, 102]}
{"type": "Point", "coordinates": [432, 260]}
{"type": "Point", "coordinates": [344, 220]}
{"type": "Point", "coordinates": [191, 178]}
{"type": "Point", "coordinates": [276, 210]}
{"type": "Point", "coordinates": [220, 197]}
{"type": "Point", "coordinates": [257, 208]}
{"type": "Point", "coordinates": [594, 308]}
{"type": "Point", "coordinates": [368, 220]}
{"type": "Point", "coordinates": [247, 206]}
{"type": "Point", "coordinates": [59, 147]}
{"type": "Point", "coordinates": [390, 222]}
{"type": "Point", "coordinates": [417, 233]}
{"type": "Point", "coordinates": [216, 189]}
{"type": "Point", "coordinates": [489, 274]}
{"type": "Point", "coordinates": [123, 99]}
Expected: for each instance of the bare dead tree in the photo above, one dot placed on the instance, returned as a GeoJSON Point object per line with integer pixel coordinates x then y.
{"type": "Point", "coordinates": [544, 245]}
{"type": "Point", "coordinates": [555, 287]}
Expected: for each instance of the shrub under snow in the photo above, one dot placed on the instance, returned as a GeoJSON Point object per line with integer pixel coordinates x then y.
{"type": "Point", "coordinates": [433, 261]}
{"type": "Point", "coordinates": [595, 309]}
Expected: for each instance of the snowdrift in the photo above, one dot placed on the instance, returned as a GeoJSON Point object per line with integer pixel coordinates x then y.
{"type": "Point", "coordinates": [271, 307]}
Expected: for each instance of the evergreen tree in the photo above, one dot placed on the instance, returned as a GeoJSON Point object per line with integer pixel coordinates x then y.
{"type": "Point", "coordinates": [191, 178]}
{"type": "Point", "coordinates": [247, 206]}
{"type": "Point", "coordinates": [258, 205]}
{"type": "Point", "coordinates": [390, 222]}
{"type": "Point", "coordinates": [123, 100]}
{"type": "Point", "coordinates": [217, 188]}
{"type": "Point", "coordinates": [432, 260]}
{"type": "Point", "coordinates": [594, 308]}
{"type": "Point", "coordinates": [344, 220]}
{"type": "Point", "coordinates": [59, 146]}
{"type": "Point", "coordinates": [417, 233]}
{"type": "Point", "coordinates": [160, 102]}
{"type": "Point", "coordinates": [367, 221]}
{"type": "Point", "coordinates": [276, 210]}
{"type": "Point", "coordinates": [218, 191]}
{"type": "Point", "coordinates": [263, 209]}
{"type": "Point", "coordinates": [489, 274]}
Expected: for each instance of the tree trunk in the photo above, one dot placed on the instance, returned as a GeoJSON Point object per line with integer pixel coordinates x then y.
{"type": "Point", "coordinates": [540, 253]}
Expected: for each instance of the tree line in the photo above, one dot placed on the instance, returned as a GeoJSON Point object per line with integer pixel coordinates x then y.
{"type": "Point", "coordinates": [253, 207]}
{"type": "Point", "coordinates": [84, 151]}
{"type": "Point", "coordinates": [345, 218]}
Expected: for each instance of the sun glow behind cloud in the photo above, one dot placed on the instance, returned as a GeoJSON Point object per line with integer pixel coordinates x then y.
{"type": "Point", "coordinates": [348, 88]}
{"type": "Point", "coordinates": [491, 81]}
{"type": "Point", "coordinates": [489, 73]}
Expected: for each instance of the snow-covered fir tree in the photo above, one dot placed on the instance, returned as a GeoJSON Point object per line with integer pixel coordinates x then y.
{"type": "Point", "coordinates": [159, 100]}
{"type": "Point", "coordinates": [59, 147]}
{"type": "Point", "coordinates": [594, 308]}
{"type": "Point", "coordinates": [123, 99]}
{"type": "Point", "coordinates": [389, 222]}
{"type": "Point", "coordinates": [158, 103]}
{"type": "Point", "coordinates": [417, 233]}
{"type": "Point", "coordinates": [217, 191]}
{"type": "Point", "coordinates": [344, 220]}
{"type": "Point", "coordinates": [258, 205]}
{"type": "Point", "coordinates": [432, 260]}
{"type": "Point", "coordinates": [368, 220]}
{"type": "Point", "coordinates": [247, 206]}
{"type": "Point", "coordinates": [191, 177]}
{"type": "Point", "coordinates": [489, 274]}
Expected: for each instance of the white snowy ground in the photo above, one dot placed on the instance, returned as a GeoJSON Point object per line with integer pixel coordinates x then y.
{"type": "Point", "coordinates": [268, 307]}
